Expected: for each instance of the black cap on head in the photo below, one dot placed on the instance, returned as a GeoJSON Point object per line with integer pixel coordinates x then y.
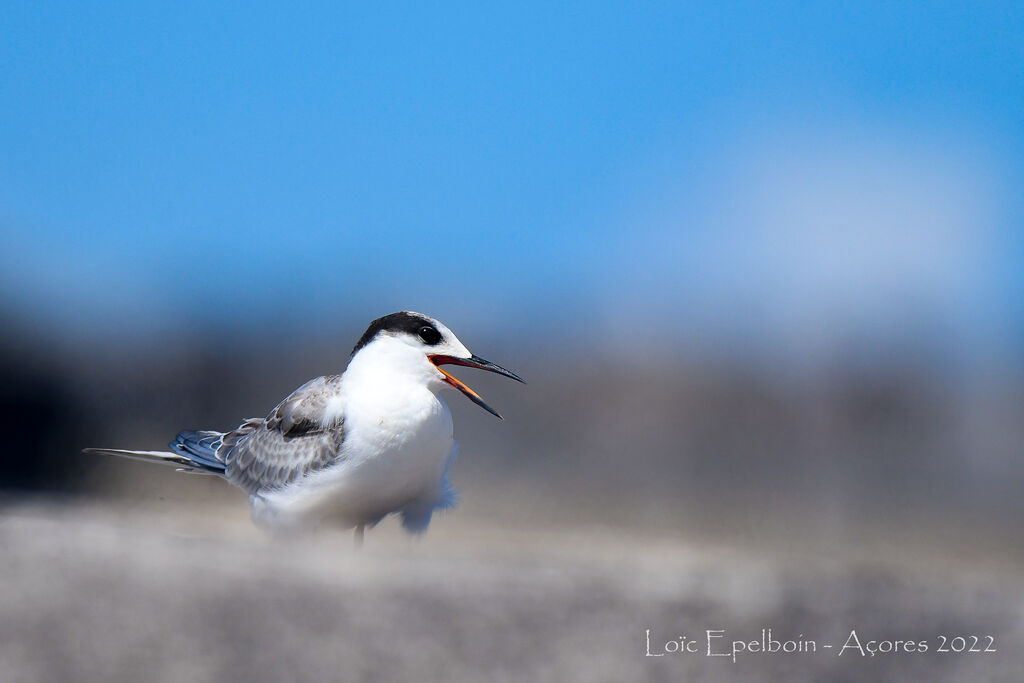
{"type": "Point", "coordinates": [404, 321]}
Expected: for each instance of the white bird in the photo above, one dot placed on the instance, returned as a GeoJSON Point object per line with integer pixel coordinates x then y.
{"type": "Point", "coordinates": [351, 448]}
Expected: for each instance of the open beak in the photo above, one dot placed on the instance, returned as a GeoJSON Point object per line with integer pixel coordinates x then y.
{"type": "Point", "coordinates": [472, 362]}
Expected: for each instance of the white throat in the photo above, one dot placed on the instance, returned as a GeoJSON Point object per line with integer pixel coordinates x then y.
{"type": "Point", "coordinates": [389, 364]}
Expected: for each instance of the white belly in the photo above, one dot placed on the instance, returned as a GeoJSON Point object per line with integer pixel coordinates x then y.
{"type": "Point", "coordinates": [393, 459]}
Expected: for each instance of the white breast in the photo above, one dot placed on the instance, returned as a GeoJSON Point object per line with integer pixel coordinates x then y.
{"type": "Point", "coordinates": [398, 446]}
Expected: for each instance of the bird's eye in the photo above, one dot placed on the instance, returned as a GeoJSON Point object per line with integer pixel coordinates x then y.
{"type": "Point", "coordinates": [429, 335]}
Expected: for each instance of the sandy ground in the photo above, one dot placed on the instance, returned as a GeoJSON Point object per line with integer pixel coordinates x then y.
{"type": "Point", "coordinates": [100, 592]}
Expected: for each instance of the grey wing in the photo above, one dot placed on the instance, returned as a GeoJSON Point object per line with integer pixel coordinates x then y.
{"type": "Point", "coordinates": [303, 434]}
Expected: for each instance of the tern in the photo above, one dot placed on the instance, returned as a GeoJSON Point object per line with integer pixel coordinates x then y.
{"type": "Point", "coordinates": [351, 448]}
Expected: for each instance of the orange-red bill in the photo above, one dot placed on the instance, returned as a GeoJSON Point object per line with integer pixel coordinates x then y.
{"type": "Point", "coordinates": [473, 362]}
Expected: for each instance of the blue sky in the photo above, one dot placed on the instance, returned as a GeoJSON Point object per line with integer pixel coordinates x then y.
{"type": "Point", "coordinates": [750, 168]}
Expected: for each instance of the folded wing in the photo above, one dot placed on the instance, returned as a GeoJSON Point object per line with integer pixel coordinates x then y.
{"type": "Point", "coordinates": [303, 434]}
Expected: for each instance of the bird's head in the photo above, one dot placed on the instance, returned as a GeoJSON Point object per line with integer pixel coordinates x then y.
{"type": "Point", "coordinates": [417, 346]}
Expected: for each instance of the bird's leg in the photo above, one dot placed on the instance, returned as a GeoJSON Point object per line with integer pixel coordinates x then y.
{"type": "Point", "coordinates": [359, 535]}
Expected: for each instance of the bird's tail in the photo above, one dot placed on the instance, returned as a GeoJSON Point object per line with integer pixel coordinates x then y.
{"type": "Point", "coordinates": [183, 463]}
{"type": "Point", "coordinates": [193, 452]}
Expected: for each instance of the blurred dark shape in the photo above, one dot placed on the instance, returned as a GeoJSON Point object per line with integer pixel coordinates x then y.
{"type": "Point", "coordinates": [42, 423]}
{"type": "Point", "coordinates": [677, 441]}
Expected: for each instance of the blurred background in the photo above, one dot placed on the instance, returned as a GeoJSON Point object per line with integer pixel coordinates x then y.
{"type": "Point", "coordinates": [763, 268]}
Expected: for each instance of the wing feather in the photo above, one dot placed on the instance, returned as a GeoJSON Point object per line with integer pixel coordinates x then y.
{"type": "Point", "coordinates": [294, 440]}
